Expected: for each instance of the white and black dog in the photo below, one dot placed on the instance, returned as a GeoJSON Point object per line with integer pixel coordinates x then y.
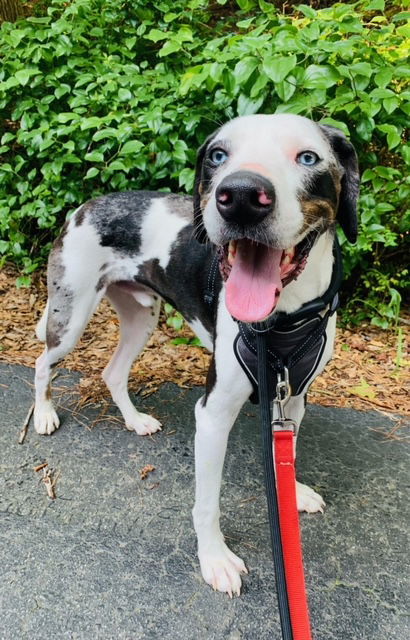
{"type": "Point", "coordinates": [268, 192]}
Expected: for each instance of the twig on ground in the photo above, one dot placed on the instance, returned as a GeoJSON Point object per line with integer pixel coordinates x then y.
{"type": "Point", "coordinates": [49, 479]}
{"type": "Point", "coordinates": [26, 423]}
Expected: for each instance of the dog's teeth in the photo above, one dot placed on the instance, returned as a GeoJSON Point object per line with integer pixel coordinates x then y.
{"type": "Point", "coordinates": [231, 252]}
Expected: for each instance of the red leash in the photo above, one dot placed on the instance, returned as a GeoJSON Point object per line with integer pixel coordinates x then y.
{"type": "Point", "coordinates": [290, 532]}
{"type": "Point", "coordinates": [279, 463]}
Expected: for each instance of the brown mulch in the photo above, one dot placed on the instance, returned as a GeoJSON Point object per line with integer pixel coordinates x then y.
{"type": "Point", "coordinates": [370, 368]}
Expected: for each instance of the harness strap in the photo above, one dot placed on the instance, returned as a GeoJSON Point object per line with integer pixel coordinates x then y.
{"type": "Point", "coordinates": [209, 293]}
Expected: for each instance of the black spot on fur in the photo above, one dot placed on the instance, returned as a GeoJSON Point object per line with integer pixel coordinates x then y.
{"type": "Point", "coordinates": [58, 243]}
{"type": "Point", "coordinates": [202, 178]}
{"type": "Point", "coordinates": [117, 218]}
{"type": "Point", "coordinates": [346, 154]}
{"type": "Point", "coordinates": [184, 281]}
{"type": "Point", "coordinates": [102, 282]}
{"type": "Point", "coordinates": [322, 186]}
{"type": "Point", "coordinates": [210, 379]}
{"type": "Point", "coordinates": [80, 215]}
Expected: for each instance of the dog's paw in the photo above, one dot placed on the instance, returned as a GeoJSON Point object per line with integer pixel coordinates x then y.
{"type": "Point", "coordinates": [143, 424]}
{"type": "Point", "coordinates": [308, 500]}
{"type": "Point", "coordinates": [46, 420]}
{"type": "Point", "coordinates": [221, 569]}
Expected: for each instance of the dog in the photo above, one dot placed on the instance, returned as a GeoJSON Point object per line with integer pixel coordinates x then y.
{"type": "Point", "coordinates": [264, 184]}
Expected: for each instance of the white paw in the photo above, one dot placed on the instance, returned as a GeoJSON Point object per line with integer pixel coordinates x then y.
{"type": "Point", "coordinates": [308, 500]}
{"type": "Point", "coordinates": [45, 418]}
{"type": "Point", "coordinates": [143, 424]}
{"type": "Point", "coordinates": [222, 569]}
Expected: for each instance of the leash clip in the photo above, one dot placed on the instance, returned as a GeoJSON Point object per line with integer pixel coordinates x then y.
{"type": "Point", "coordinates": [283, 393]}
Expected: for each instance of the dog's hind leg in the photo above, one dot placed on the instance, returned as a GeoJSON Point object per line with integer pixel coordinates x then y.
{"type": "Point", "coordinates": [137, 321]}
{"type": "Point", "coordinates": [63, 330]}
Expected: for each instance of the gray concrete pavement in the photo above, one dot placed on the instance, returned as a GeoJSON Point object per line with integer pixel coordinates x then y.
{"type": "Point", "coordinates": [114, 556]}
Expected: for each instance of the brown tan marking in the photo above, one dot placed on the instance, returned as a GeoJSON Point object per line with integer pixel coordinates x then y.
{"type": "Point", "coordinates": [317, 209]}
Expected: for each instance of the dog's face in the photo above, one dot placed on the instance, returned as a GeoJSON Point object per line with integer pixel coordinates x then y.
{"type": "Point", "coordinates": [266, 187]}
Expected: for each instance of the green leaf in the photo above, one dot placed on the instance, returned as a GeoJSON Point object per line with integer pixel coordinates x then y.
{"type": "Point", "coordinates": [244, 68]}
{"type": "Point", "coordinates": [169, 47]}
{"type": "Point", "coordinates": [381, 93]}
{"type": "Point", "coordinates": [105, 133]}
{"type": "Point", "coordinates": [67, 117]}
{"type": "Point", "coordinates": [16, 36]}
{"type": "Point", "coordinates": [319, 77]}
{"type": "Point", "coordinates": [156, 35]}
{"type": "Point", "coordinates": [365, 128]}
{"type": "Point", "coordinates": [94, 156]}
{"type": "Point", "coordinates": [117, 165]}
{"type": "Point", "coordinates": [364, 390]}
{"type": "Point", "coordinates": [124, 95]}
{"type": "Point", "coordinates": [286, 89]}
{"type": "Point", "coordinates": [23, 76]}
{"type": "Point", "coordinates": [131, 146]}
{"type": "Point", "coordinates": [61, 90]}
{"type": "Point", "coordinates": [23, 282]}
{"type": "Point", "coordinates": [375, 5]}
{"type": "Point", "coordinates": [306, 10]}
{"type": "Point", "coordinates": [383, 77]}
{"type": "Point", "coordinates": [90, 123]}
{"type": "Point", "coordinates": [246, 106]}
{"type": "Point", "coordinates": [393, 135]}
{"type": "Point", "coordinates": [390, 104]}
{"type": "Point", "coordinates": [91, 173]}
{"type": "Point", "coordinates": [338, 124]}
{"type": "Point", "coordinates": [402, 15]}
{"type": "Point", "coordinates": [129, 42]}
{"type": "Point", "coordinates": [278, 67]}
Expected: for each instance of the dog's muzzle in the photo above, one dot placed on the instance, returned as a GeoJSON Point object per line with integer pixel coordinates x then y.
{"type": "Point", "coordinates": [245, 198]}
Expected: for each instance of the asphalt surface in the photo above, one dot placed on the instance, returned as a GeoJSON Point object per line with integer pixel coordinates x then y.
{"type": "Point", "coordinates": [114, 556]}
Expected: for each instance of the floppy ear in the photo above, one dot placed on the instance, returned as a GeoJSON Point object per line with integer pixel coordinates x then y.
{"type": "Point", "coordinates": [346, 154]}
{"type": "Point", "coordinates": [199, 230]}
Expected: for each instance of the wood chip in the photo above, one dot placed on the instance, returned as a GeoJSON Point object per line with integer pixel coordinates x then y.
{"type": "Point", "coordinates": [363, 356]}
{"type": "Point", "coordinates": [149, 468]}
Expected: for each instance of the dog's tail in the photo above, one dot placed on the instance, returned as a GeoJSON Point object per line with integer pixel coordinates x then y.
{"type": "Point", "coordinates": [42, 325]}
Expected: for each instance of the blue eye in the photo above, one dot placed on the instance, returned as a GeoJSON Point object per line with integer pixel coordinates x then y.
{"type": "Point", "coordinates": [307, 158]}
{"type": "Point", "coordinates": [218, 156]}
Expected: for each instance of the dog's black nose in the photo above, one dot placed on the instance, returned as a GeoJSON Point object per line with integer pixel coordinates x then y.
{"type": "Point", "coordinates": [245, 198]}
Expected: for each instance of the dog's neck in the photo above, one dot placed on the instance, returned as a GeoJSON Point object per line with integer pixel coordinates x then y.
{"type": "Point", "coordinates": [314, 279]}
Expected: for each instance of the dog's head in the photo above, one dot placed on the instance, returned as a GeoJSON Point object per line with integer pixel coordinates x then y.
{"type": "Point", "coordinates": [266, 187]}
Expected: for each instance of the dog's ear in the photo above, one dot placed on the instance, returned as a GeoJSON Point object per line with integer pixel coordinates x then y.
{"type": "Point", "coordinates": [199, 229]}
{"type": "Point", "coordinates": [346, 154]}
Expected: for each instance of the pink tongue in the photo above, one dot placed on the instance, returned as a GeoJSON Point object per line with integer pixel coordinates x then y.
{"type": "Point", "coordinates": [254, 283]}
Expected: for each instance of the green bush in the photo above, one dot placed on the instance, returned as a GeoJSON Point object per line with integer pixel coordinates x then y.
{"type": "Point", "coordinates": [103, 95]}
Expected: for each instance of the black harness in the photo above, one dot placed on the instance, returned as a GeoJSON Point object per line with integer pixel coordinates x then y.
{"type": "Point", "coordinates": [295, 341]}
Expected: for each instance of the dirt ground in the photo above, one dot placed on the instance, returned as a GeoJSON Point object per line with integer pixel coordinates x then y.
{"type": "Point", "coordinates": [370, 368]}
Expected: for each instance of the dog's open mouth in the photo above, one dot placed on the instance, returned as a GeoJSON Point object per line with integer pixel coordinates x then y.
{"type": "Point", "coordinates": [255, 275]}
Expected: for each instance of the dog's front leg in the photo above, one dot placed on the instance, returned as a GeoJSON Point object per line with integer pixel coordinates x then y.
{"type": "Point", "coordinates": [215, 415]}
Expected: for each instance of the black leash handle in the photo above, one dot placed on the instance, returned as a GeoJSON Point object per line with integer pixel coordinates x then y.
{"type": "Point", "coordinates": [270, 484]}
